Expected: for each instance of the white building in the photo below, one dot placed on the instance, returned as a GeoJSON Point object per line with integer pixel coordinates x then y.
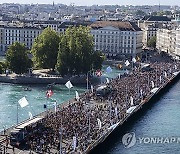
{"type": "Point", "coordinates": [27, 32]}
{"type": "Point", "coordinates": [22, 34]}
{"type": "Point", "coordinates": [117, 38]}
{"type": "Point", "coordinates": [168, 40]}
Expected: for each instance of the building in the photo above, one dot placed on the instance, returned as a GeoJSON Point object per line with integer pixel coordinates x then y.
{"type": "Point", "coordinates": [177, 49]}
{"type": "Point", "coordinates": [111, 37]}
{"type": "Point", "coordinates": [27, 32]}
{"type": "Point", "coordinates": [116, 38]}
{"type": "Point", "coordinates": [150, 25]}
{"type": "Point", "coordinates": [168, 40]}
{"type": "Point", "coordinates": [13, 33]}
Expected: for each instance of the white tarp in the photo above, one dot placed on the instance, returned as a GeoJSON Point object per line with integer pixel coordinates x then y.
{"type": "Point", "coordinates": [113, 126]}
{"type": "Point", "coordinates": [154, 90]}
{"type": "Point", "coordinates": [175, 73]}
{"type": "Point", "coordinates": [131, 109]}
{"type": "Point", "coordinates": [77, 96]}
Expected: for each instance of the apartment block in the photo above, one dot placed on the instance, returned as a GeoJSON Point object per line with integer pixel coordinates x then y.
{"type": "Point", "coordinates": [116, 38]}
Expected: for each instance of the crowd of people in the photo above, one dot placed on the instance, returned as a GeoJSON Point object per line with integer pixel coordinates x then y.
{"type": "Point", "coordinates": [89, 117]}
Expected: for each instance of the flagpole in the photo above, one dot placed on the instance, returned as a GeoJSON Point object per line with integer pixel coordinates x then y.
{"type": "Point", "coordinates": [126, 98]}
{"type": "Point", "coordinates": [17, 113]}
{"type": "Point", "coordinates": [110, 112]}
{"type": "Point", "coordinates": [87, 81]}
{"type": "Point", "coordinates": [60, 141]}
{"type": "Point", "coordinates": [89, 122]}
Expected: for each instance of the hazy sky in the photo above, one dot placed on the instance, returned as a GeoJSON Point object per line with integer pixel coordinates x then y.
{"type": "Point", "coordinates": [99, 2]}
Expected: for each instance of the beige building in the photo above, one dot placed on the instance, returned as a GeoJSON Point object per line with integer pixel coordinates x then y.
{"type": "Point", "coordinates": [116, 38]}
{"type": "Point", "coordinates": [168, 40]}
{"type": "Point", "coordinates": [150, 25]}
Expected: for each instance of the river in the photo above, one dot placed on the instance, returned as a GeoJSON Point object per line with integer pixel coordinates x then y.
{"type": "Point", "coordinates": [11, 93]}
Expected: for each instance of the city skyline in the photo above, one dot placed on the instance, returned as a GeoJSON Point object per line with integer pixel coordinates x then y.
{"type": "Point", "coordinates": [93, 2]}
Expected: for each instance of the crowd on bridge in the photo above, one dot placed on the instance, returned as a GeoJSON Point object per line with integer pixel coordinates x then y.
{"type": "Point", "coordinates": [85, 120]}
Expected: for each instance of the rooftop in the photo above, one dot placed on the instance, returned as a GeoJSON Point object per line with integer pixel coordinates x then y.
{"type": "Point", "coordinates": [124, 26]}
{"type": "Point", "coordinates": [156, 18]}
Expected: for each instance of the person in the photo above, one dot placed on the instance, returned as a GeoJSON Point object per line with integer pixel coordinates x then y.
{"type": "Point", "coordinates": [7, 143]}
{"type": "Point", "coordinates": [13, 149]}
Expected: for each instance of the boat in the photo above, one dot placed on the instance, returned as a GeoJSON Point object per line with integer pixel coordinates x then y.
{"type": "Point", "coordinates": [27, 89]}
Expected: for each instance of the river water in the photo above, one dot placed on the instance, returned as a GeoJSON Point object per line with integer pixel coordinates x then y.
{"type": "Point", "coordinates": [156, 130]}
{"type": "Point", "coordinates": [11, 93]}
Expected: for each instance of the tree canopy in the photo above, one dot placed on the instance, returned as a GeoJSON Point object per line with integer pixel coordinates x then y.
{"type": "Point", "coordinates": [17, 58]}
{"type": "Point", "coordinates": [45, 49]}
{"type": "Point", "coordinates": [140, 13]}
{"type": "Point", "coordinates": [76, 54]}
{"type": "Point", "coordinates": [152, 42]}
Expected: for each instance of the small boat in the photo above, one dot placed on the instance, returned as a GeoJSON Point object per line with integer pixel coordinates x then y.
{"type": "Point", "coordinates": [27, 89]}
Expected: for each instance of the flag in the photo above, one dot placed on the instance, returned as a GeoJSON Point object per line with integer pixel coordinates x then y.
{"type": "Point", "coordinates": [138, 59]}
{"type": "Point", "coordinates": [99, 123]}
{"type": "Point", "coordinates": [74, 143]}
{"type": "Point", "coordinates": [152, 83]}
{"type": "Point", "coordinates": [132, 101]}
{"type": "Point", "coordinates": [175, 67]}
{"type": "Point", "coordinates": [134, 60]}
{"type": "Point", "coordinates": [55, 107]}
{"type": "Point", "coordinates": [116, 111]}
{"type": "Point", "coordinates": [49, 93]}
{"type": "Point", "coordinates": [92, 89]}
{"type": "Point", "coordinates": [30, 115]}
{"type": "Point", "coordinates": [119, 75]}
{"type": "Point", "coordinates": [69, 85]}
{"type": "Point", "coordinates": [107, 80]}
{"type": "Point", "coordinates": [77, 96]}
{"type": "Point", "coordinates": [108, 69]}
{"type": "Point", "coordinates": [23, 102]}
{"type": "Point", "coordinates": [98, 73]}
{"type": "Point", "coordinates": [45, 106]}
{"type": "Point", "coordinates": [160, 79]}
{"type": "Point", "coordinates": [141, 92]}
{"type": "Point", "coordinates": [119, 66]}
{"type": "Point", "coordinates": [127, 63]}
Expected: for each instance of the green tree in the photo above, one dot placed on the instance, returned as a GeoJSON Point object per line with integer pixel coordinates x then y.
{"type": "Point", "coordinates": [152, 42]}
{"type": "Point", "coordinates": [2, 66]}
{"type": "Point", "coordinates": [98, 59]}
{"type": "Point", "coordinates": [76, 54]}
{"type": "Point", "coordinates": [140, 13]}
{"type": "Point", "coordinates": [45, 49]}
{"type": "Point", "coordinates": [17, 58]}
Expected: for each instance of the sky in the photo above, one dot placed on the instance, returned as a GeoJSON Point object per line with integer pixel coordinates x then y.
{"type": "Point", "coordinates": [97, 2]}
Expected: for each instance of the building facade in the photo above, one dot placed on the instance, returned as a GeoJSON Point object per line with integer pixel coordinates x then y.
{"type": "Point", "coordinates": [150, 25]}
{"type": "Point", "coordinates": [22, 34]}
{"type": "Point", "coordinates": [111, 37]}
{"type": "Point", "coordinates": [168, 40]}
{"type": "Point", "coordinates": [27, 32]}
{"type": "Point", "coordinates": [116, 38]}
